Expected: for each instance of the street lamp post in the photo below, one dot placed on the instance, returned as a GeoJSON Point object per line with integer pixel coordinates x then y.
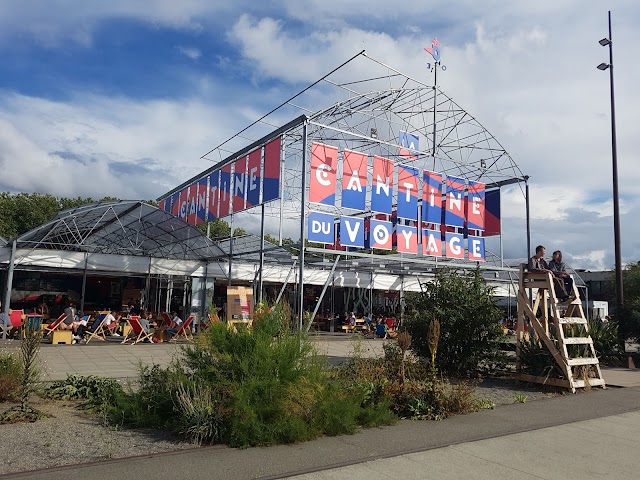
{"type": "Point", "coordinates": [614, 160]}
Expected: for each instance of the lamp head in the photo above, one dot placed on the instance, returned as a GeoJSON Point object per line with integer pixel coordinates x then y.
{"type": "Point", "coordinates": [603, 66]}
{"type": "Point", "coordinates": [604, 42]}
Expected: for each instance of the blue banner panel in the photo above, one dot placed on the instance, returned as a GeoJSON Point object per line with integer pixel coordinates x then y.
{"type": "Point", "coordinates": [476, 249]}
{"type": "Point", "coordinates": [408, 183]}
{"type": "Point", "coordinates": [382, 186]}
{"type": "Point", "coordinates": [320, 228]}
{"type": "Point", "coordinates": [354, 180]}
{"type": "Point", "coordinates": [454, 213]}
{"type": "Point", "coordinates": [352, 232]}
{"type": "Point", "coordinates": [432, 198]}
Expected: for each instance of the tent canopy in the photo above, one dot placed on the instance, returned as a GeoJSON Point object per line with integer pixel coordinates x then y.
{"type": "Point", "coordinates": [127, 227]}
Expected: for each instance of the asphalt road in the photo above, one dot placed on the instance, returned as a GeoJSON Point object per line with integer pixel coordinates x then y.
{"type": "Point", "coordinates": [407, 437]}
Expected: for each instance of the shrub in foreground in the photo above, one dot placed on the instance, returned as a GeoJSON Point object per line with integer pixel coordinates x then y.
{"type": "Point", "coordinates": [253, 386]}
{"type": "Point", "coordinates": [10, 373]}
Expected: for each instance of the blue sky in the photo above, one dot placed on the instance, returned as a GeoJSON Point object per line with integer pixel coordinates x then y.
{"type": "Point", "coordinates": [122, 98]}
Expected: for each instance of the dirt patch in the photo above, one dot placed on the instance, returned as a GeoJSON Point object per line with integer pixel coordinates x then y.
{"type": "Point", "coordinates": [70, 435]}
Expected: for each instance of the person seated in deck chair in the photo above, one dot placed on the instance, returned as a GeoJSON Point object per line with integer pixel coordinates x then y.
{"type": "Point", "coordinates": [537, 263]}
{"type": "Point", "coordinates": [67, 323]}
{"type": "Point", "coordinates": [176, 321]}
{"type": "Point", "coordinates": [145, 321]}
{"type": "Point", "coordinates": [559, 269]}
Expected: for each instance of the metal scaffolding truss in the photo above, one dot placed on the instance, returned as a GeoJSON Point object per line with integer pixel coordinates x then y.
{"type": "Point", "coordinates": [366, 114]}
{"type": "Point", "coordinates": [124, 228]}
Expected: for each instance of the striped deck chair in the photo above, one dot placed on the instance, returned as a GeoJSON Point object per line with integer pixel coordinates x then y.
{"type": "Point", "coordinates": [137, 333]}
{"type": "Point", "coordinates": [184, 330]}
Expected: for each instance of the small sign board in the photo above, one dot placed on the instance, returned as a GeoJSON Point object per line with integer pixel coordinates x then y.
{"type": "Point", "coordinates": [239, 303]}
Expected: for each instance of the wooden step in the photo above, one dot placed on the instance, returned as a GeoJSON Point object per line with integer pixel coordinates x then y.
{"type": "Point", "coordinates": [572, 362]}
{"type": "Point", "coordinates": [594, 382]}
{"type": "Point", "coordinates": [578, 341]}
{"type": "Point", "coordinates": [573, 321]}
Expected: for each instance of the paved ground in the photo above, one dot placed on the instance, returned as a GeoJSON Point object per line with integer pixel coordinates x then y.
{"type": "Point", "coordinates": [592, 435]}
{"type": "Point", "coordinates": [111, 359]}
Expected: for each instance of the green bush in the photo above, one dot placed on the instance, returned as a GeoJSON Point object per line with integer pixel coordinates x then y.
{"type": "Point", "coordinates": [253, 386]}
{"type": "Point", "coordinates": [468, 315]}
{"type": "Point", "coordinates": [10, 374]}
{"type": "Point", "coordinates": [606, 341]}
{"type": "Point", "coordinates": [97, 392]}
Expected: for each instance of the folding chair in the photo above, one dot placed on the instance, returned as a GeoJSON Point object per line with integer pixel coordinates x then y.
{"type": "Point", "coordinates": [166, 318]}
{"type": "Point", "coordinates": [99, 330]}
{"type": "Point", "coordinates": [184, 330]}
{"type": "Point", "coordinates": [137, 333]}
{"type": "Point", "coordinates": [55, 324]}
{"type": "Point", "coordinates": [15, 321]}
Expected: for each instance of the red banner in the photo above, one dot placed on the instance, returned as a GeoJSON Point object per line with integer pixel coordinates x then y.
{"type": "Point", "coordinates": [271, 180]}
{"type": "Point", "coordinates": [322, 184]}
{"type": "Point", "coordinates": [475, 206]}
{"type": "Point", "coordinates": [225, 190]}
{"type": "Point", "coordinates": [253, 178]}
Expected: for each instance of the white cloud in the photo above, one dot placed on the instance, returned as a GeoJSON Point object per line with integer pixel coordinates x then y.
{"type": "Point", "coordinates": [526, 72]}
{"type": "Point", "coordinates": [190, 52]}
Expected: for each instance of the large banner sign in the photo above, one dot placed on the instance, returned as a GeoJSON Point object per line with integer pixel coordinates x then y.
{"type": "Point", "coordinates": [454, 213]}
{"type": "Point", "coordinates": [432, 198]}
{"type": "Point", "coordinates": [455, 245]}
{"type": "Point", "coordinates": [476, 248]}
{"type": "Point", "coordinates": [239, 184]}
{"type": "Point", "coordinates": [475, 206]}
{"type": "Point", "coordinates": [324, 164]}
{"type": "Point", "coordinates": [382, 186]}
{"type": "Point", "coordinates": [271, 181]}
{"type": "Point", "coordinates": [213, 195]}
{"type": "Point", "coordinates": [354, 180]}
{"type": "Point", "coordinates": [253, 178]}
{"type": "Point", "coordinates": [408, 192]}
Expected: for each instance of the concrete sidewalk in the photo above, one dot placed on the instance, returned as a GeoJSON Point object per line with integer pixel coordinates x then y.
{"type": "Point", "coordinates": [111, 359]}
{"type": "Point", "coordinates": [600, 448]}
{"type": "Point", "coordinates": [592, 434]}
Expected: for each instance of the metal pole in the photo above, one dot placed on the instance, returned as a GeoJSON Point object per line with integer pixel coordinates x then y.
{"type": "Point", "coordinates": [501, 247]}
{"type": "Point", "coordinates": [147, 288]}
{"type": "Point", "coordinates": [7, 295]}
{"type": "Point", "coordinates": [282, 157]}
{"type": "Point", "coordinates": [435, 91]}
{"type": "Point", "coordinates": [616, 205]}
{"type": "Point", "coordinates": [324, 290]}
{"type": "Point", "coordinates": [286, 282]}
{"type": "Point", "coordinates": [261, 255]}
{"type": "Point", "coordinates": [84, 282]}
{"type": "Point", "coordinates": [302, 218]}
{"type": "Point", "coordinates": [526, 198]}
{"type": "Point", "coordinates": [230, 252]}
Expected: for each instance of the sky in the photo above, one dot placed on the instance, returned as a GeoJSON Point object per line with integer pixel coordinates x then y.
{"type": "Point", "coordinates": [122, 98]}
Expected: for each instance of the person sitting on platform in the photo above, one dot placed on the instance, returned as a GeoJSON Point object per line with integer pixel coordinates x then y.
{"type": "Point", "coordinates": [538, 264]}
{"type": "Point", "coordinates": [559, 269]}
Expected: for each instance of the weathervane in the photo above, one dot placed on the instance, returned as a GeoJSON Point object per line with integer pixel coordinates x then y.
{"type": "Point", "coordinates": [434, 51]}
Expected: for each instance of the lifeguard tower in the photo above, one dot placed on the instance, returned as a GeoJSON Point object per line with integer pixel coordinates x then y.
{"type": "Point", "coordinates": [564, 333]}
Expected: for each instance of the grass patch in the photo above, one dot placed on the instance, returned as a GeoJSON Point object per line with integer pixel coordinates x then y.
{"type": "Point", "coordinates": [10, 374]}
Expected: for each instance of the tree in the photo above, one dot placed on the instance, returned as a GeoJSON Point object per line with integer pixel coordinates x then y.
{"type": "Point", "coordinates": [468, 315]}
{"type": "Point", "coordinates": [22, 212]}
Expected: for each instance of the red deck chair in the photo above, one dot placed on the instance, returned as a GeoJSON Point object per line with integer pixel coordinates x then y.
{"type": "Point", "coordinates": [166, 319]}
{"type": "Point", "coordinates": [137, 333]}
{"type": "Point", "coordinates": [184, 330]}
{"type": "Point", "coordinates": [55, 324]}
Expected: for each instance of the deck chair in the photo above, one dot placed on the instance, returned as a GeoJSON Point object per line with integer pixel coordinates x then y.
{"type": "Point", "coordinates": [15, 321]}
{"type": "Point", "coordinates": [185, 330]}
{"type": "Point", "coordinates": [166, 318]}
{"type": "Point", "coordinates": [55, 324]}
{"type": "Point", "coordinates": [137, 333]}
{"type": "Point", "coordinates": [98, 330]}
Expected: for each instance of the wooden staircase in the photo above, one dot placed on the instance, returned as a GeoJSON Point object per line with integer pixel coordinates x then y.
{"type": "Point", "coordinates": [571, 346]}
